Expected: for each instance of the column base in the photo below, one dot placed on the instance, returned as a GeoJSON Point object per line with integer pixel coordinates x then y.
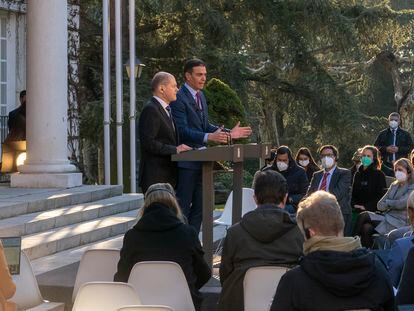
{"type": "Point", "coordinates": [45, 180]}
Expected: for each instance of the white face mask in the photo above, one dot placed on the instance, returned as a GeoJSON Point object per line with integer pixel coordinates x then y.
{"type": "Point", "coordinates": [401, 176]}
{"type": "Point", "coordinates": [304, 163]}
{"type": "Point", "coordinates": [327, 162]}
{"type": "Point", "coordinates": [393, 124]}
{"type": "Point", "coordinates": [281, 166]}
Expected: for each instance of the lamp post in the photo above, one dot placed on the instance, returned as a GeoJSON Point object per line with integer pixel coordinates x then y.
{"type": "Point", "coordinates": [133, 65]}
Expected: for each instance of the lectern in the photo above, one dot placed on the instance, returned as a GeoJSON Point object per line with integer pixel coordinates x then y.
{"type": "Point", "coordinates": [236, 154]}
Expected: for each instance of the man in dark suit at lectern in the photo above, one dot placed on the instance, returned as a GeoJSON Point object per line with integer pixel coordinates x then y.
{"type": "Point", "coordinates": [158, 134]}
{"type": "Point", "coordinates": [190, 113]}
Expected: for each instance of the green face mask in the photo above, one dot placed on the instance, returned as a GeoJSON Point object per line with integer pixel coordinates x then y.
{"type": "Point", "coordinates": [366, 161]}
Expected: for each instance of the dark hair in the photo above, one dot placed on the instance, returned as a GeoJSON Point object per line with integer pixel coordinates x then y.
{"type": "Point", "coordinates": [191, 63]}
{"type": "Point", "coordinates": [332, 147]}
{"type": "Point", "coordinates": [270, 187]}
{"type": "Point", "coordinates": [377, 160]}
{"type": "Point", "coordinates": [283, 150]}
{"type": "Point", "coordinates": [394, 114]}
{"type": "Point", "coordinates": [22, 93]}
{"type": "Point", "coordinates": [305, 151]}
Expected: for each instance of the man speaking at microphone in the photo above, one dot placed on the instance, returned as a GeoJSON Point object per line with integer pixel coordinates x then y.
{"type": "Point", "coordinates": [190, 114]}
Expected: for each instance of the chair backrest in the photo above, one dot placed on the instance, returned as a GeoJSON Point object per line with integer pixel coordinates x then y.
{"type": "Point", "coordinates": [27, 290]}
{"type": "Point", "coordinates": [145, 308]}
{"type": "Point", "coordinates": [260, 284]}
{"type": "Point", "coordinates": [161, 283]}
{"type": "Point", "coordinates": [105, 296]}
{"type": "Point", "coordinates": [96, 265]}
{"type": "Point", "coordinates": [248, 205]}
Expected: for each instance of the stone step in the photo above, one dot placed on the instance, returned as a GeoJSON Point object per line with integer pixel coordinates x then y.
{"type": "Point", "coordinates": [19, 201]}
{"type": "Point", "coordinates": [41, 221]}
{"type": "Point", "coordinates": [63, 238]}
{"type": "Point", "coordinates": [73, 255]}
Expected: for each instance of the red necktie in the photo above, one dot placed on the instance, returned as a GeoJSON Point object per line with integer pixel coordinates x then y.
{"type": "Point", "coordinates": [198, 101]}
{"type": "Point", "coordinates": [324, 182]}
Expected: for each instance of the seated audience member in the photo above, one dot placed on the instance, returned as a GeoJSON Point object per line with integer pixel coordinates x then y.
{"type": "Point", "coordinates": [393, 206]}
{"type": "Point", "coordinates": [336, 273]}
{"type": "Point", "coordinates": [369, 182]}
{"type": "Point", "coordinates": [356, 160]}
{"type": "Point", "coordinates": [162, 235]}
{"type": "Point", "coordinates": [7, 286]}
{"type": "Point", "coordinates": [304, 159]}
{"type": "Point", "coordinates": [405, 289]}
{"type": "Point", "coordinates": [295, 176]}
{"type": "Point", "coordinates": [335, 180]}
{"type": "Point", "coordinates": [267, 236]}
{"type": "Point", "coordinates": [270, 159]}
{"type": "Point", "coordinates": [401, 247]}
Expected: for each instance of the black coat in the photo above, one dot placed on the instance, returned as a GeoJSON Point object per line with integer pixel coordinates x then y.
{"type": "Point", "coordinates": [160, 236]}
{"type": "Point", "coordinates": [405, 289]}
{"type": "Point", "coordinates": [368, 188]}
{"type": "Point", "coordinates": [158, 140]}
{"type": "Point", "coordinates": [404, 143]}
{"type": "Point", "coordinates": [17, 124]}
{"type": "Point", "coordinates": [330, 281]}
{"type": "Point", "coordinates": [296, 179]}
{"type": "Point", "coordinates": [267, 236]}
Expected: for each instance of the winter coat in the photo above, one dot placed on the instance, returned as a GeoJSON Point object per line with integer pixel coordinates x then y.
{"type": "Point", "coordinates": [335, 280]}
{"type": "Point", "coordinates": [296, 179]}
{"type": "Point", "coordinates": [160, 236]}
{"type": "Point", "coordinates": [394, 206]}
{"type": "Point", "coordinates": [267, 236]}
{"type": "Point", "coordinates": [368, 187]}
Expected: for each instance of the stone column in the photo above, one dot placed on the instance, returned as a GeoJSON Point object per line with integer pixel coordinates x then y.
{"type": "Point", "coordinates": [47, 162]}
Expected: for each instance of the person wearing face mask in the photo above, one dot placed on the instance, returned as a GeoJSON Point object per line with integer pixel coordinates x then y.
{"type": "Point", "coordinates": [335, 180]}
{"type": "Point", "coordinates": [369, 182]}
{"type": "Point", "coordinates": [336, 273]}
{"type": "Point", "coordinates": [304, 159]}
{"type": "Point", "coordinates": [393, 206]}
{"type": "Point", "coordinates": [394, 142]}
{"type": "Point", "coordinates": [295, 175]}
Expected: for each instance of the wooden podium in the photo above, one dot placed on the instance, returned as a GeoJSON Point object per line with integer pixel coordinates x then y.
{"type": "Point", "coordinates": [235, 153]}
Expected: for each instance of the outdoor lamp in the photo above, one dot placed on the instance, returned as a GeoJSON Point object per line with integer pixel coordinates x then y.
{"type": "Point", "coordinates": [138, 68]}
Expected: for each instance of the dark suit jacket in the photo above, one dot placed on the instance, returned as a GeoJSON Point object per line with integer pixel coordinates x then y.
{"type": "Point", "coordinates": [340, 187]}
{"type": "Point", "coordinates": [158, 142]}
{"type": "Point", "coordinates": [403, 141]}
{"type": "Point", "coordinates": [192, 123]}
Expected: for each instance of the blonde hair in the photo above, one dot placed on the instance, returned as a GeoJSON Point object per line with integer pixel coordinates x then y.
{"type": "Point", "coordinates": [321, 212]}
{"type": "Point", "coordinates": [162, 193]}
{"type": "Point", "coordinates": [410, 209]}
{"type": "Point", "coordinates": [405, 163]}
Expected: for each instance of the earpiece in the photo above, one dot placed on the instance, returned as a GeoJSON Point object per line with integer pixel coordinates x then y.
{"type": "Point", "coordinates": [306, 230]}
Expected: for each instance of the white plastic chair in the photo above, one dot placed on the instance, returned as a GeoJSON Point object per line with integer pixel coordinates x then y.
{"type": "Point", "coordinates": [260, 284]}
{"type": "Point", "coordinates": [145, 308]}
{"type": "Point", "coordinates": [27, 293]}
{"type": "Point", "coordinates": [96, 265]}
{"type": "Point", "coordinates": [248, 204]}
{"type": "Point", "coordinates": [27, 290]}
{"type": "Point", "coordinates": [161, 283]}
{"type": "Point", "coordinates": [105, 296]}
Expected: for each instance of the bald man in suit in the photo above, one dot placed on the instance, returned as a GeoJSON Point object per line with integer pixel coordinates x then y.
{"type": "Point", "coordinates": [158, 134]}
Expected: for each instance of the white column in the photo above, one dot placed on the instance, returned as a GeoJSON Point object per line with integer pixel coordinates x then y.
{"type": "Point", "coordinates": [47, 164]}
